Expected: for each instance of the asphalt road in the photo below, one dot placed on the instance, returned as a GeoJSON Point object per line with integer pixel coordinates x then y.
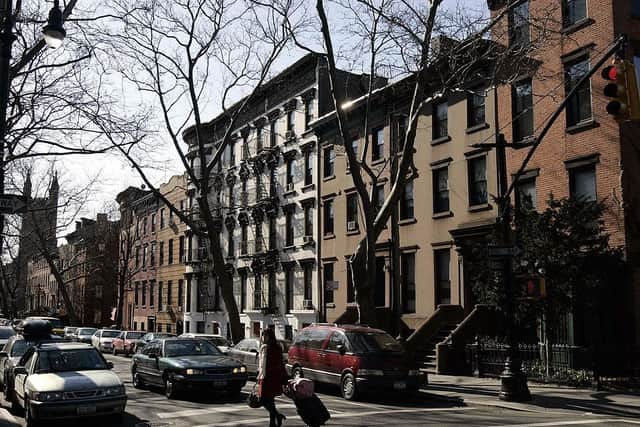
{"type": "Point", "coordinates": [150, 408]}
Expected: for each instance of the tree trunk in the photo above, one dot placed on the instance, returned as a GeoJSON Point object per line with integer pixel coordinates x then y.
{"type": "Point", "coordinates": [120, 306]}
{"type": "Point", "coordinates": [225, 280]}
{"type": "Point", "coordinates": [363, 266]}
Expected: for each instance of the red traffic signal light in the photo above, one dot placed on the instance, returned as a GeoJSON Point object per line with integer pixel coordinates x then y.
{"type": "Point", "coordinates": [623, 88]}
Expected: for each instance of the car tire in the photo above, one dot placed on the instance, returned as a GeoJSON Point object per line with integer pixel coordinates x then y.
{"type": "Point", "coordinates": [348, 387]}
{"type": "Point", "coordinates": [28, 415]}
{"type": "Point", "coordinates": [169, 387]}
{"type": "Point", "coordinates": [136, 380]}
{"type": "Point", "coordinates": [297, 373]}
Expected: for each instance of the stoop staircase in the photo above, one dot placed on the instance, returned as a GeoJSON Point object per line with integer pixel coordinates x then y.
{"type": "Point", "coordinates": [426, 354]}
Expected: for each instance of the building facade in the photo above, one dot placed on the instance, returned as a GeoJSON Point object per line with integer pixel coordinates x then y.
{"type": "Point", "coordinates": [268, 202]}
{"type": "Point", "coordinates": [586, 153]}
{"type": "Point", "coordinates": [419, 255]}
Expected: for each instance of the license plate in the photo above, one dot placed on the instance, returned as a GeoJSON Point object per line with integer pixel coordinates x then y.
{"type": "Point", "coordinates": [399, 385]}
{"type": "Point", "coordinates": [220, 383]}
{"type": "Point", "coordinates": [85, 410]}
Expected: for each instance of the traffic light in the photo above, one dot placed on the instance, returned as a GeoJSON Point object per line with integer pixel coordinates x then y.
{"type": "Point", "coordinates": [623, 88]}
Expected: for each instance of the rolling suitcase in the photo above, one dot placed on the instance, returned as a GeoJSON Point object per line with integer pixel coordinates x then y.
{"type": "Point", "coordinates": [312, 411]}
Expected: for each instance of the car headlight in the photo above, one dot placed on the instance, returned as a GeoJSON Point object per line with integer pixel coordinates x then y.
{"type": "Point", "coordinates": [413, 372]}
{"type": "Point", "coordinates": [372, 372]}
{"type": "Point", "coordinates": [48, 396]}
{"type": "Point", "coordinates": [114, 391]}
{"type": "Point", "coordinates": [194, 372]}
{"type": "Point", "coordinates": [240, 370]}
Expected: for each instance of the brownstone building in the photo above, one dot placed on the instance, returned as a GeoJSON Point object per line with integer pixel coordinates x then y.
{"type": "Point", "coordinates": [586, 153]}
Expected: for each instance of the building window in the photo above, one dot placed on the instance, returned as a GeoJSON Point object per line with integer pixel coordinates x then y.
{"type": "Point", "coordinates": [153, 222]}
{"type": "Point", "coordinates": [328, 217]}
{"type": "Point", "coordinates": [232, 153]}
{"type": "Point", "coordinates": [151, 293]}
{"type": "Point", "coordinates": [244, 239]}
{"type": "Point", "coordinates": [288, 287]}
{"type": "Point", "coordinates": [519, 25]}
{"type": "Point", "coordinates": [329, 161]}
{"type": "Point", "coordinates": [328, 277]}
{"type": "Point", "coordinates": [308, 168]}
{"type": "Point", "coordinates": [245, 147]}
{"type": "Point", "coordinates": [291, 120]}
{"type": "Point", "coordinates": [406, 202]}
{"type": "Point", "coordinates": [377, 147]}
{"type": "Point", "coordinates": [522, 110]}
{"type": "Point", "coordinates": [289, 233]}
{"type": "Point", "coordinates": [137, 256]}
{"type": "Point", "coordinates": [135, 294]}
{"type": "Point", "coordinates": [526, 194]}
{"type": "Point", "coordinates": [258, 235]}
{"type": "Point", "coordinates": [170, 256]}
{"type": "Point", "coordinates": [308, 113]}
{"type": "Point", "coordinates": [161, 218]}
{"type": "Point", "coordinates": [230, 244]}
{"type": "Point", "coordinates": [475, 107]}
{"type": "Point", "coordinates": [259, 139]}
{"type": "Point", "coordinates": [579, 105]}
{"type": "Point", "coordinates": [477, 169]}
{"type": "Point", "coordinates": [181, 249]}
{"type": "Point", "coordinates": [257, 292]}
{"type": "Point", "coordinates": [188, 295]}
{"type": "Point", "coordinates": [290, 174]}
{"type": "Point", "coordinates": [273, 134]}
{"type": "Point", "coordinates": [161, 254]}
{"type": "Point", "coordinates": [273, 236]}
{"type": "Point", "coordinates": [243, 290]}
{"type": "Point", "coordinates": [200, 327]}
{"type": "Point", "coordinates": [440, 190]}
{"type": "Point", "coordinates": [582, 183]}
{"type": "Point", "coordinates": [443, 282]}
{"type": "Point", "coordinates": [354, 147]}
{"type": "Point", "coordinates": [144, 294]}
{"type": "Point", "coordinates": [159, 295]}
{"type": "Point", "coordinates": [169, 292]}
{"type": "Point", "coordinates": [440, 120]}
{"type": "Point", "coordinates": [144, 227]}
{"type": "Point", "coordinates": [152, 256]}
{"type": "Point", "coordinates": [144, 256]}
{"type": "Point", "coordinates": [408, 271]}
{"type": "Point", "coordinates": [573, 11]}
{"type": "Point", "coordinates": [308, 220]}
{"type": "Point", "coordinates": [402, 124]}
{"type": "Point", "coordinates": [308, 285]}
{"type": "Point", "coordinates": [352, 212]}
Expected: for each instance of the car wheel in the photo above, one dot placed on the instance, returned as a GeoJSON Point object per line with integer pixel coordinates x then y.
{"type": "Point", "coordinates": [135, 379]}
{"type": "Point", "coordinates": [28, 415]}
{"type": "Point", "coordinates": [297, 373]}
{"type": "Point", "coordinates": [348, 387]}
{"type": "Point", "coordinates": [169, 387]}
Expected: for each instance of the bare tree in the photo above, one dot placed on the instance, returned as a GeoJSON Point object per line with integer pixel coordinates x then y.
{"type": "Point", "coordinates": [194, 58]}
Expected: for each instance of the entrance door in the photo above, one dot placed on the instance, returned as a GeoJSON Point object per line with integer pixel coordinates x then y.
{"type": "Point", "coordinates": [256, 329]}
{"type": "Point", "coordinates": [381, 283]}
{"type": "Point", "coordinates": [151, 324]}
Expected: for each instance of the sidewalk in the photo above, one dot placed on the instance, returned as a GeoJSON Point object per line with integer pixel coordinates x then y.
{"type": "Point", "coordinates": [6, 419]}
{"type": "Point", "coordinates": [545, 398]}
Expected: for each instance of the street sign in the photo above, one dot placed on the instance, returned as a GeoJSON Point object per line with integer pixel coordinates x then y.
{"type": "Point", "coordinates": [12, 203]}
{"type": "Point", "coordinates": [497, 252]}
{"type": "Point", "coordinates": [331, 285]}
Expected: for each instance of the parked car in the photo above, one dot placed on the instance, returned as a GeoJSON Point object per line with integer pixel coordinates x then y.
{"type": "Point", "coordinates": [29, 334]}
{"type": "Point", "coordinates": [6, 332]}
{"type": "Point", "coordinates": [84, 335]}
{"type": "Point", "coordinates": [126, 342]}
{"type": "Point", "coordinates": [150, 336]}
{"type": "Point", "coordinates": [246, 352]}
{"type": "Point", "coordinates": [69, 332]}
{"type": "Point", "coordinates": [356, 358]}
{"type": "Point", "coordinates": [218, 340]}
{"type": "Point", "coordinates": [178, 364]}
{"type": "Point", "coordinates": [67, 380]}
{"type": "Point", "coordinates": [102, 339]}
{"type": "Point", "coordinates": [56, 324]}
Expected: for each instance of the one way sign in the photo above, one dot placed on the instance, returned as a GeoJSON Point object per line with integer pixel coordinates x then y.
{"type": "Point", "coordinates": [12, 203]}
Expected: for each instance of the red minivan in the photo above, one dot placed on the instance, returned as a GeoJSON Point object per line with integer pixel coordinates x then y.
{"type": "Point", "coordinates": [356, 358]}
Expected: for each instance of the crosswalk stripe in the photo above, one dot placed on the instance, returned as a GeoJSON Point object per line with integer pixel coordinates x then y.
{"type": "Point", "coordinates": [261, 421]}
{"type": "Point", "coordinates": [209, 410]}
{"type": "Point", "coordinates": [576, 422]}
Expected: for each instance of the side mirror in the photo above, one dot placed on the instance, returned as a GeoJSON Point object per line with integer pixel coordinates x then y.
{"type": "Point", "coordinates": [3, 354]}
{"type": "Point", "coordinates": [341, 349]}
{"type": "Point", "coordinates": [20, 370]}
{"type": "Point", "coordinates": [109, 365]}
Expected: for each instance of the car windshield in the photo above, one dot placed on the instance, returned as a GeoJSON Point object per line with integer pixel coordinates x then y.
{"type": "Point", "coordinates": [6, 333]}
{"type": "Point", "coordinates": [20, 347]}
{"type": "Point", "coordinates": [134, 335]}
{"type": "Point", "coordinates": [70, 360]}
{"type": "Point", "coordinates": [86, 331]}
{"type": "Point", "coordinates": [216, 340]}
{"type": "Point", "coordinates": [56, 323]}
{"type": "Point", "coordinates": [110, 334]}
{"type": "Point", "coordinates": [70, 330]}
{"type": "Point", "coordinates": [190, 348]}
{"type": "Point", "coordinates": [373, 342]}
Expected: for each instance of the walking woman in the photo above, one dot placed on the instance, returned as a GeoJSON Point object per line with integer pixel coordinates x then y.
{"type": "Point", "coordinates": [271, 376]}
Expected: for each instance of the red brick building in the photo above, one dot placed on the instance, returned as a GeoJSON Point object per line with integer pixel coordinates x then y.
{"type": "Point", "coordinates": [586, 153]}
